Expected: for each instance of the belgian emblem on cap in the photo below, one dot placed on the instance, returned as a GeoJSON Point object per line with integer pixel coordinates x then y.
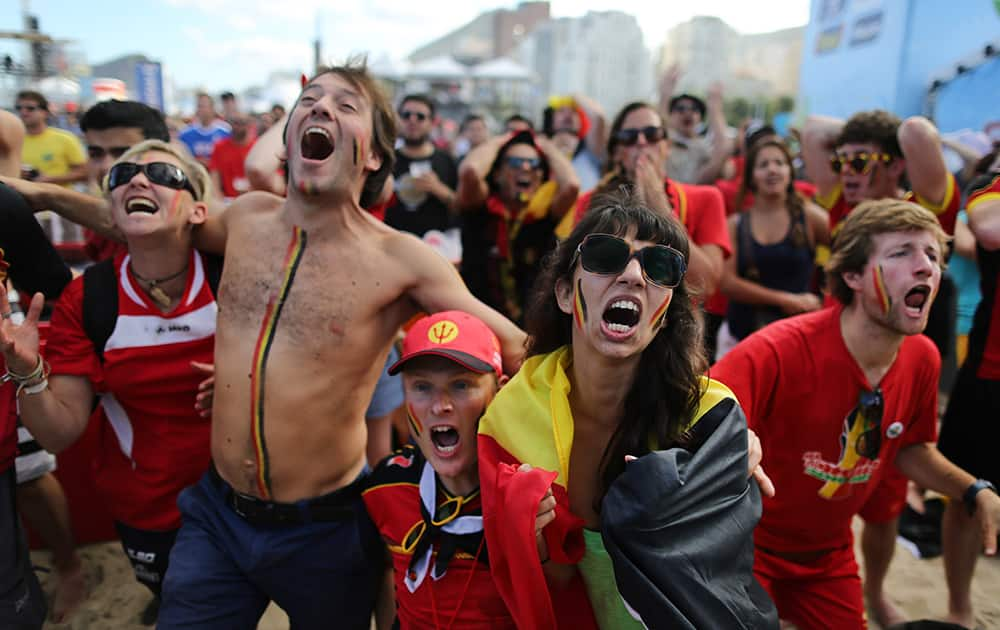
{"type": "Point", "coordinates": [442, 332]}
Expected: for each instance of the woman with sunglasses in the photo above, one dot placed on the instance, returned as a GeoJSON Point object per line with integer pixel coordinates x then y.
{"type": "Point", "coordinates": [774, 243]}
{"type": "Point", "coordinates": [512, 191]}
{"type": "Point", "coordinates": [144, 360]}
{"type": "Point", "coordinates": [614, 372]}
{"type": "Point", "coordinates": [638, 151]}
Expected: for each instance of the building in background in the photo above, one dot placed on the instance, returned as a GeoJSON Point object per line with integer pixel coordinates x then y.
{"type": "Point", "coordinates": [751, 66]}
{"type": "Point", "coordinates": [887, 54]}
{"type": "Point", "coordinates": [490, 35]}
{"type": "Point", "coordinates": [601, 55]}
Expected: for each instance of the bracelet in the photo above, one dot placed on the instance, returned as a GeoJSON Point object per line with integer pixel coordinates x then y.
{"type": "Point", "coordinates": [39, 370]}
{"type": "Point", "coordinates": [31, 390]}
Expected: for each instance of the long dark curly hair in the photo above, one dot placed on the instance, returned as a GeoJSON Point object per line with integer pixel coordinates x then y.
{"type": "Point", "coordinates": [667, 387]}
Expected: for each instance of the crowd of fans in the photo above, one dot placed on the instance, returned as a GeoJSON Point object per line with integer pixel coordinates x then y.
{"type": "Point", "coordinates": [679, 282]}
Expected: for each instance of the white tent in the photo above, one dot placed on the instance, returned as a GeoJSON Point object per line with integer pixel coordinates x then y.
{"type": "Point", "coordinates": [502, 69]}
{"type": "Point", "coordinates": [443, 67]}
{"type": "Point", "coordinates": [390, 69]}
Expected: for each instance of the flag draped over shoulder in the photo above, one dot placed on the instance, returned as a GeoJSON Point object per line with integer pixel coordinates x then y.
{"type": "Point", "coordinates": [530, 422]}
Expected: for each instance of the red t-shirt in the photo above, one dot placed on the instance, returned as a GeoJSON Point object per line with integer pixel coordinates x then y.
{"type": "Point", "coordinates": [393, 501]}
{"type": "Point", "coordinates": [699, 209]}
{"type": "Point", "coordinates": [227, 160]}
{"type": "Point", "coordinates": [152, 442]}
{"type": "Point", "coordinates": [985, 331]}
{"type": "Point", "coordinates": [946, 211]}
{"type": "Point", "coordinates": [800, 387]}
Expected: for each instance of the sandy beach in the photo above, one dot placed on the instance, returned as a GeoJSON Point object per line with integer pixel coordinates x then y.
{"type": "Point", "coordinates": [117, 601]}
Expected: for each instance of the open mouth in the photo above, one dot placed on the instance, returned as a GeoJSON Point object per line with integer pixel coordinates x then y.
{"type": "Point", "coordinates": [917, 298]}
{"type": "Point", "coordinates": [141, 204]}
{"type": "Point", "coordinates": [523, 184]}
{"type": "Point", "coordinates": [622, 316]}
{"type": "Point", "coordinates": [316, 144]}
{"type": "Point", "coordinates": [445, 439]}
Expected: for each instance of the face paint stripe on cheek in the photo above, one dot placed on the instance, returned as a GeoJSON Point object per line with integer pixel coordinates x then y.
{"type": "Point", "coordinates": [174, 203]}
{"type": "Point", "coordinates": [883, 296]}
{"type": "Point", "coordinates": [579, 306]}
{"type": "Point", "coordinates": [415, 425]}
{"type": "Point", "coordinates": [659, 314]}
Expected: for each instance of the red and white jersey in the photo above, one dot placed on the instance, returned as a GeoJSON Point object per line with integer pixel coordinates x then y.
{"type": "Point", "coordinates": [153, 443]}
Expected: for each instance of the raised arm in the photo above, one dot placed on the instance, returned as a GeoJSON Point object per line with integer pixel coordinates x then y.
{"type": "Point", "coordinates": [925, 168]}
{"type": "Point", "coordinates": [721, 148]}
{"type": "Point", "coordinates": [86, 210]}
{"type": "Point", "coordinates": [818, 137]}
{"type": "Point", "coordinates": [597, 135]}
{"type": "Point", "coordinates": [436, 286]}
{"type": "Point", "coordinates": [263, 162]}
{"type": "Point", "coordinates": [668, 83]}
{"type": "Point", "coordinates": [11, 143]}
{"type": "Point", "coordinates": [54, 408]}
{"type": "Point", "coordinates": [562, 173]}
{"type": "Point", "coordinates": [472, 187]}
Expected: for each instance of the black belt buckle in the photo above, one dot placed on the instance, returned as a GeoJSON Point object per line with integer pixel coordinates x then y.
{"type": "Point", "coordinates": [254, 510]}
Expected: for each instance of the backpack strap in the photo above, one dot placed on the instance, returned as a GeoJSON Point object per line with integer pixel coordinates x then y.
{"type": "Point", "coordinates": [100, 304]}
{"type": "Point", "coordinates": [213, 271]}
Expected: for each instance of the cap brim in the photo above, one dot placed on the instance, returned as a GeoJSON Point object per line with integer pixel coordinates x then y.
{"type": "Point", "coordinates": [466, 360]}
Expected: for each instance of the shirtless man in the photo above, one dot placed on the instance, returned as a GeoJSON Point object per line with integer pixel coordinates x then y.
{"type": "Point", "coordinates": [313, 291]}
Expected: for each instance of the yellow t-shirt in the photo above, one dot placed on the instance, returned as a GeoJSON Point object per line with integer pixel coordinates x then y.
{"type": "Point", "coordinates": [53, 152]}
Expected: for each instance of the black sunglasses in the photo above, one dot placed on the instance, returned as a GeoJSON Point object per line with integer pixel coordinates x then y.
{"type": "Point", "coordinates": [607, 254]}
{"type": "Point", "coordinates": [160, 173]}
{"type": "Point", "coordinates": [860, 163]}
{"type": "Point", "coordinates": [98, 153]}
{"type": "Point", "coordinates": [518, 163]}
{"type": "Point", "coordinates": [870, 406]}
{"type": "Point", "coordinates": [407, 114]}
{"type": "Point", "coordinates": [628, 137]}
{"type": "Point", "coordinates": [26, 108]}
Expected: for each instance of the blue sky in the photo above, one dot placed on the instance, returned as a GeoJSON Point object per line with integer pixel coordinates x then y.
{"type": "Point", "coordinates": [231, 44]}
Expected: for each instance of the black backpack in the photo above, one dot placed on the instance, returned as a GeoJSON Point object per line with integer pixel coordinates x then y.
{"type": "Point", "coordinates": [100, 297]}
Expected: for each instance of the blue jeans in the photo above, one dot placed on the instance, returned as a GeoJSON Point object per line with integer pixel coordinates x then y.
{"type": "Point", "coordinates": [223, 571]}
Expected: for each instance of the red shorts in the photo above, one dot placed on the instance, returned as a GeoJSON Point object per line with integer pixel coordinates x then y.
{"type": "Point", "coordinates": [887, 499]}
{"type": "Point", "coordinates": [825, 593]}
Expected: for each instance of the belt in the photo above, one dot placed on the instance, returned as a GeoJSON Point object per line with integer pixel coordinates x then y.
{"type": "Point", "coordinates": [338, 505]}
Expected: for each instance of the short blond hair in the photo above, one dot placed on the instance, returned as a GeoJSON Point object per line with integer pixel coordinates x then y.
{"type": "Point", "coordinates": [196, 173]}
{"type": "Point", "coordinates": [855, 241]}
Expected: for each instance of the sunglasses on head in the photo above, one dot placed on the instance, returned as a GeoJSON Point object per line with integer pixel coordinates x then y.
{"type": "Point", "coordinates": [98, 153]}
{"type": "Point", "coordinates": [629, 137]}
{"type": "Point", "coordinates": [408, 114]}
{"type": "Point", "coordinates": [160, 173]}
{"type": "Point", "coordinates": [860, 163]}
{"type": "Point", "coordinates": [607, 254]}
{"type": "Point", "coordinates": [870, 406]}
{"type": "Point", "coordinates": [518, 163]}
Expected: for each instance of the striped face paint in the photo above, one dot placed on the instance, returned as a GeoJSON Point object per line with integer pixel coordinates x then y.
{"type": "Point", "coordinates": [579, 306]}
{"type": "Point", "coordinates": [880, 291]}
{"type": "Point", "coordinates": [416, 426]}
{"type": "Point", "coordinates": [357, 152]}
{"type": "Point", "coordinates": [661, 312]}
{"type": "Point", "coordinates": [173, 204]}
{"type": "Point", "coordinates": [265, 339]}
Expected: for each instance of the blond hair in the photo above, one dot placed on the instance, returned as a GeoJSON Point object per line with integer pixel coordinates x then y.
{"type": "Point", "coordinates": [196, 173]}
{"type": "Point", "coordinates": [855, 241]}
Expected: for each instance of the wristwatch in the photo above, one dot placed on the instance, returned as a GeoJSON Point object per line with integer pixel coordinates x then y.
{"type": "Point", "coordinates": [969, 497]}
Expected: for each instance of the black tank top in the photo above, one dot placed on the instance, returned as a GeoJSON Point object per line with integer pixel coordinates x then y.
{"type": "Point", "coordinates": [785, 266]}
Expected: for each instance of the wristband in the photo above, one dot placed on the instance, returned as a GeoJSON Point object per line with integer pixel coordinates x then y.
{"type": "Point", "coordinates": [969, 496]}
{"type": "Point", "coordinates": [37, 388]}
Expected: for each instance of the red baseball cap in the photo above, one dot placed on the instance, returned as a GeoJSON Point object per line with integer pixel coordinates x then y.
{"type": "Point", "coordinates": [454, 335]}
